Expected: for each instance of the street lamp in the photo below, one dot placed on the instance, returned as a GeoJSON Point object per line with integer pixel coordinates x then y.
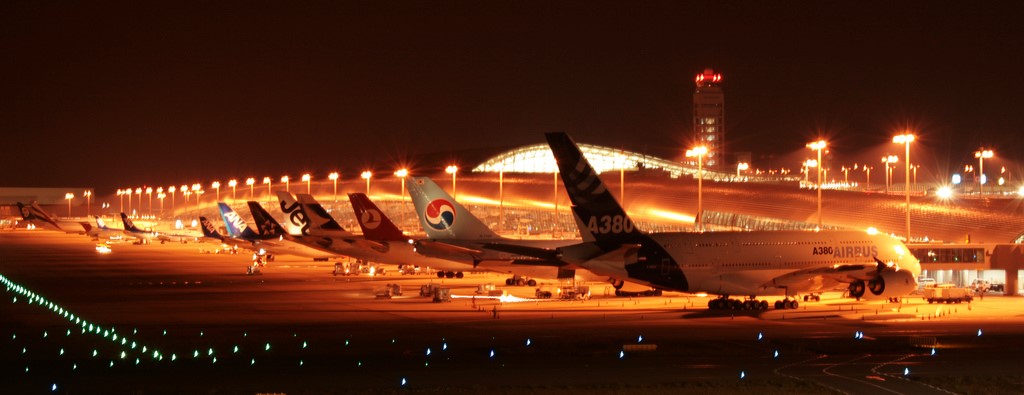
{"type": "Point", "coordinates": [501, 196]}
{"type": "Point", "coordinates": [149, 191]}
{"type": "Point", "coordinates": [889, 160]}
{"type": "Point", "coordinates": [138, 191]}
{"type": "Point", "coordinates": [287, 183]}
{"type": "Point", "coordinates": [195, 191]}
{"type": "Point", "coordinates": [216, 186]}
{"type": "Point", "coordinates": [185, 192]}
{"type": "Point", "coordinates": [233, 183]}
{"type": "Point", "coordinates": [120, 197]}
{"type": "Point", "coordinates": [742, 166]}
{"type": "Point", "coordinates": [306, 178]}
{"type": "Point", "coordinates": [452, 169]}
{"type": "Point", "coordinates": [171, 190]}
{"type": "Point", "coordinates": [906, 139]}
{"type": "Point", "coordinates": [982, 155]}
{"type": "Point", "coordinates": [366, 175]}
{"type": "Point", "coordinates": [699, 153]}
{"type": "Point", "coordinates": [334, 178]}
{"type": "Point", "coordinates": [252, 190]}
{"type": "Point", "coordinates": [401, 174]}
{"type": "Point", "coordinates": [266, 180]}
{"type": "Point", "coordinates": [818, 146]}
{"type": "Point", "coordinates": [161, 196]}
{"type": "Point", "coordinates": [69, 196]}
{"type": "Point", "coordinates": [88, 209]}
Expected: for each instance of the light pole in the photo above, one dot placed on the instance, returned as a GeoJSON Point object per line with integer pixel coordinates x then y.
{"type": "Point", "coordinates": [818, 146]}
{"type": "Point", "coordinates": [88, 203]}
{"type": "Point", "coordinates": [161, 196]}
{"type": "Point", "coordinates": [184, 189]}
{"type": "Point", "coordinates": [906, 139]}
{"type": "Point", "coordinates": [982, 155]}
{"type": "Point", "coordinates": [233, 183]}
{"type": "Point", "coordinates": [252, 189]}
{"type": "Point", "coordinates": [216, 186]}
{"type": "Point", "coordinates": [334, 178]}
{"type": "Point", "coordinates": [171, 190]}
{"type": "Point", "coordinates": [501, 196]}
{"type": "Point", "coordinates": [401, 174]}
{"type": "Point", "coordinates": [266, 180]}
{"type": "Point", "coordinates": [452, 169]}
{"type": "Point", "coordinates": [867, 176]}
{"type": "Point", "coordinates": [120, 197]}
{"type": "Point", "coordinates": [69, 196]}
{"type": "Point", "coordinates": [306, 178]}
{"type": "Point", "coordinates": [846, 175]}
{"type": "Point", "coordinates": [366, 175]}
{"type": "Point", "coordinates": [195, 191]}
{"type": "Point", "coordinates": [699, 153]}
{"type": "Point", "coordinates": [149, 191]}
{"type": "Point", "coordinates": [138, 191]}
{"type": "Point", "coordinates": [287, 183]}
{"type": "Point", "coordinates": [742, 166]}
{"type": "Point", "coordinates": [889, 160]}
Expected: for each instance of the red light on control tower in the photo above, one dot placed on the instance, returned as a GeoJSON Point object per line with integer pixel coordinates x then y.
{"type": "Point", "coordinates": [708, 78]}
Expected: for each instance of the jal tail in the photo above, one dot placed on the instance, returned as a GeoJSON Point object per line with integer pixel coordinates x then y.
{"type": "Point", "coordinates": [441, 216]}
{"type": "Point", "coordinates": [265, 223]}
{"type": "Point", "coordinates": [129, 225]}
{"type": "Point", "coordinates": [376, 226]}
{"type": "Point", "coordinates": [599, 216]}
{"type": "Point", "coordinates": [319, 219]}
{"type": "Point", "coordinates": [209, 230]}
{"type": "Point", "coordinates": [234, 223]}
{"type": "Point", "coordinates": [35, 214]}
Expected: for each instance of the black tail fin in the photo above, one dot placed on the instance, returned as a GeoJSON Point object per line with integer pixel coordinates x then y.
{"type": "Point", "coordinates": [599, 215]}
{"type": "Point", "coordinates": [265, 223]}
{"type": "Point", "coordinates": [209, 230]}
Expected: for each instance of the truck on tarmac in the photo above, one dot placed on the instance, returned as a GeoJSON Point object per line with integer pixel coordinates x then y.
{"type": "Point", "coordinates": [947, 293]}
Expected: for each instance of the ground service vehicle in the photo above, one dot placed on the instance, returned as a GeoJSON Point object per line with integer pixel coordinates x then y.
{"type": "Point", "coordinates": [947, 293]}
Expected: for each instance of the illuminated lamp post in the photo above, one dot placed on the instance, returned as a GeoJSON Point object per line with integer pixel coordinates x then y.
{"type": "Point", "coordinates": [233, 183]}
{"type": "Point", "coordinates": [88, 203]}
{"type": "Point", "coordinates": [501, 196]}
{"type": "Point", "coordinates": [334, 178]}
{"type": "Point", "coordinates": [120, 197]}
{"type": "Point", "coordinates": [216, 186]}
{"type": "Point", "coordinates": [171, 190]}
{"type": "Point", "coordinates": [306, 178]}
{"type": "Point", "coordinates": [366, 175]}
{"type": "Point", "coordinates": [195, 191]}
{"type": "Point", "coordinates": [184, 188]}
{"type": "Point", "coordinates": [867, 176]}
{"type": "Point", "coordinates": [818, 146]}
{"type": "Point", "coordinates": [982, 155]}
{"type": "Point", "coordinates": [699, 153]}
{"type": "Point", "coordinates": [452, 169]}
{"type": "Point", "coordinates": [252, 189]}
{"type": "Point", "coordinates": [401, 174]}
{"type": "Point", "coordinates": [69, 196]}
{"type": "Point", "coordinates": [889, 160]}
{"type": "Point", "coordinates": [138, 191]}
{"type": "Point", "coordinates": [906, 139]}
{"type": "Point", "coordinates": [266, 180]}
{"type": "Point", "coordinates": [846, 174]}
{"type": "Point", "coordinates": [149, 191]}
{"type": "Point", "coordinates": [161, 196]}
{"type": "Point", "coordinates": [742, 166]}
{"type": "Point", "coordinates": [287, 183]}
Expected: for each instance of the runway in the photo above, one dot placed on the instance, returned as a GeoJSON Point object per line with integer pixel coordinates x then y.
{"type": "Point", "coordinates": [199, 324]}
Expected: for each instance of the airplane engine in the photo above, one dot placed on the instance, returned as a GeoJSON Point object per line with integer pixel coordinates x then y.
{"type": "Point", "coordinates": [888, 284]}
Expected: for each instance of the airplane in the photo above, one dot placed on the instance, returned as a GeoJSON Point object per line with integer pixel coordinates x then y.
{"type": "Point", "coordinates": [454, 233]}
{"type": "Point", "coordinates": [747, 263]}
{"type": "Point", "coordinates": [384, 243]}
{"type": "Point", "coordinates": [272, 238]}
{"type": "Point", "coordinates": [102, 231]}
{"type": "Point", "coordinates": [146, 237]}
{"type": "Point", "coordinates": [39, 218]}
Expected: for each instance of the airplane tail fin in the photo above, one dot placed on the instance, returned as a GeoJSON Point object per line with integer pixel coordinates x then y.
{"type": "Point", "coordinates": [35, 214]}
{"type": "Point", "coordinates": [441, 216]}
{"type": "Point", "coordinates": [265, 223]}
{"type": "Point", "coordinates": [376, 226]}
{"type": "Point", "coordinates": [129, 225]}
{"type": "Point", "coordinates": [234, 223]}
{"type": "Point", "coordinates": [209, 230]}
{"type": "Point", "coordinates": [102, 225]}
{"type": "Point", "coordinates": [598, 214]}
{"type": "Point", "coordinates": [318, 217]}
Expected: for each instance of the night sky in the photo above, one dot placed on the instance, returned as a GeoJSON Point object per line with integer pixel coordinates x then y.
{"type": "Point", "coordinates": [159, 93]}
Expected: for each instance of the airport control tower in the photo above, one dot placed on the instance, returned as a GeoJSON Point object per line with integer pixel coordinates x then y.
{"type": "Point", "coordinates": [709, 117]}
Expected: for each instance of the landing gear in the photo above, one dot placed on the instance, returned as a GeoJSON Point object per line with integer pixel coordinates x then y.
{"type": "Point", "coordinates": [786, 304]}
{"type": "Point", "coordinates": [812, 297]}
{"type": "Point", "coordinates": [725, 303]}
{"type": "Point", "coordinates": [520, 281]}
{"type": "Point", "coordinates": [449, 274]}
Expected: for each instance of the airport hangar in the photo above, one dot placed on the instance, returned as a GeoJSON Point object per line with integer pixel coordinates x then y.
{"type": "Point", "coordinates": [957, 240]}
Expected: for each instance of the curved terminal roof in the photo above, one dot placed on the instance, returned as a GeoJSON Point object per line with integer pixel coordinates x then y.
{"type": "Point", "coordinates": [539, 159]}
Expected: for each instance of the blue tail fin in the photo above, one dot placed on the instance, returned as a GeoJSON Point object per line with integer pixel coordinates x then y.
{"type": "Point", "coordinates": [441, 216]}
{"type": "Point", "coordinates": [598, 214]}
{"type": "Point", "coordinates": [376, 226]}
{"type": "Point", "coordinates": [129, 225]}
{"type": "Point", "coordinates": [265, 223]}
{"type": "Point", "coordinates": [209, 230]}
{"type": "Point", "coordinates": [234, 223]}
{"type": "Point", "coordinates": [35, 214]}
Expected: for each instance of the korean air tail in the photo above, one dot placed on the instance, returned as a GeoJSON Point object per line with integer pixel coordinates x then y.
{"type": "Point", "coordinates": [234, 224]}
{"type": "Point", "coordinates": [265, 223]}
{"type": "Point", "coordinates": [376, 226]}
{"type": "Point", "coordinates": [599, 216]}
{"type": "Point", "coordinates": [441, 216]}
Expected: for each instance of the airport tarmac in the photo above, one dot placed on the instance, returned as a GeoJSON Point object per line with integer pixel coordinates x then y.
{"type": "Point", "coordinates": [199, 324]}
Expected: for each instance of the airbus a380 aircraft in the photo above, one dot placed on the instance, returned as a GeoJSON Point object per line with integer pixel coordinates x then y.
{"type": "Point", "coordinates": [755, 263]}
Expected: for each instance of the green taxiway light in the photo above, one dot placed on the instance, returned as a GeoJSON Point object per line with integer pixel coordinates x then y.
{"type": "Point", "coordinates": [123, 354]}
{"type": "Point", "coordinates": [236, 349]}
{"type": "Point", "coordinates": [267, 347]}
